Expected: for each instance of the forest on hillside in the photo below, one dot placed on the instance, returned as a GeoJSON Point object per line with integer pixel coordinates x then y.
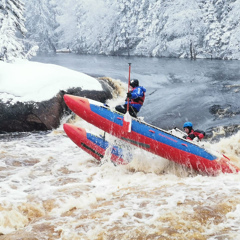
{"type": "Point", "coordinates": [155, 28]}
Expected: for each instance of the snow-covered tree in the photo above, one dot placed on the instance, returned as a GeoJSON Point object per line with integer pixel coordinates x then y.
{"type": "Point", "coordinates": [213, 29]}
{"type": "Point", "coordinates": [67, 19]}
{"type": "Point", "coordinates": [148, 27]}
{"type": "Point", "coordinates": [85, 25]}
{"type": "Point", "coordinates": [12, 29]}
{"type": "Point", "coordinates": [158, 28]}
{"type": "Point", "coordinates": [230, 38]}
{"type": "Point", "coordinates": [127, 30]}
{"type": "Point", "coordinates": [41, 24]}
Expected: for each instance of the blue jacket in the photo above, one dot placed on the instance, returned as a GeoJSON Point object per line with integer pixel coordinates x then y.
{"type": "Point", "coordinates": [138, 96]}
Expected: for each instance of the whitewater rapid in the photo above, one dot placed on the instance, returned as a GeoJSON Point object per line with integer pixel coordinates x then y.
{"type": "Point", "coordinates": [51, 189]}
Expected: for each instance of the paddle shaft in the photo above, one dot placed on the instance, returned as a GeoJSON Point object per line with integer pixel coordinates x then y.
{"type": "Point", "coordinates": [129, 64]}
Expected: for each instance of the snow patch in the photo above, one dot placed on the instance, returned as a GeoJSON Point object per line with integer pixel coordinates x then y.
{"type": "Point", "coordinates": [32, 81]}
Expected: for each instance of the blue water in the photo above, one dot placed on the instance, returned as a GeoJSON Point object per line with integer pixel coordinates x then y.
{"type": "Point", "coordinates": [205, 92]}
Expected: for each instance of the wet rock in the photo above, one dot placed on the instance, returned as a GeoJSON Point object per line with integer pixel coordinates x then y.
{"type": "Point", "coordinates": [216, 133]}
{"type": "Point", "coordinates": [46, 115]}
{"type": "Point", "coordinates": [224, 111]}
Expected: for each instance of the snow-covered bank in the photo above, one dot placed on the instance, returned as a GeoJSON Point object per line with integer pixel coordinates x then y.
{"type": "Point", "coordinates": [31, 94]}
{"type": "Point", "coordinates": [32, 81]}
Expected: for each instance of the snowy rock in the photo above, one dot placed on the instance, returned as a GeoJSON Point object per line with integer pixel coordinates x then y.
{"type": "Point", "coordinates": [31, 94]}
{"type": "Point", "coordinates": [45, 115]}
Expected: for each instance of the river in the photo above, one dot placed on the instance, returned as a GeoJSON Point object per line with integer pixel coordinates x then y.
{"type": "Point", "coordinates": [51, 189]}
{"type": "Point", "coordinates": [205, 92]}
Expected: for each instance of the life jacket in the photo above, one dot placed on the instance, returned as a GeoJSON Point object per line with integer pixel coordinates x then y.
{"type": "Point", "coordinates": [197, 133]}
{"type": "Point", "coordinates": [138, 100]}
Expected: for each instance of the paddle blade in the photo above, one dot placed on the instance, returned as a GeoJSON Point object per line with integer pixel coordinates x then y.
{"type": "Point", "coordinates": [127, 122]}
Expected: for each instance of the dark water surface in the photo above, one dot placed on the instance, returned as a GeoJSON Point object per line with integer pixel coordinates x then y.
{"type": "Point", "coordinates": [205, 92]}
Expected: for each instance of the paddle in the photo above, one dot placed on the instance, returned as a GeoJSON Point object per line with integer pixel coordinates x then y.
{"type": "Point", "coordinates": [127, 120]}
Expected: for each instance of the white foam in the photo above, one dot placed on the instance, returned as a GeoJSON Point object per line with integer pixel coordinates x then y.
{"type": "Point", "coordinates": [84, 198]}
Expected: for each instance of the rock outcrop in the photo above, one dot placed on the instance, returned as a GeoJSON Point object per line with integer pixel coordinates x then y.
{"type": "Point", "coordinates": [46, 115]}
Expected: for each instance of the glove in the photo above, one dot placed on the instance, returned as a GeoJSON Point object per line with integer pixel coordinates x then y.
{"type": "Point", "coordinates": [196, 139]}
{"type": "Point", "coordinates": [129, 95]}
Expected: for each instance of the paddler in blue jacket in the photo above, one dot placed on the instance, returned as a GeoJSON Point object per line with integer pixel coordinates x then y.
{"type": "Point", "coordinates": [136, 96]}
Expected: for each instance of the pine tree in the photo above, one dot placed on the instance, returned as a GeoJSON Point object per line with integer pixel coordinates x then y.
{"type": "Point", "coordinates": [67, 19]}
{"type": "Point", "coordinates": [12, 30]}
{"type": "Point", "coordinates": [86, 25]}
{"type": "Point", "coordinates": [41, 24]}
{"type": "Point", "coordinates": [213, 28]}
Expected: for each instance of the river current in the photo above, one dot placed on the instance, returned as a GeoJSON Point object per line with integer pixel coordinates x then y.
{"type": "Point", "coordinates": [51, 189]}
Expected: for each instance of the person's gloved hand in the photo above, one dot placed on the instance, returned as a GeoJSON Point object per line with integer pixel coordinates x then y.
{"type": "Point", "coordinates": [196, 139]}
{"type": "Point", "coordinates": [129, 95]}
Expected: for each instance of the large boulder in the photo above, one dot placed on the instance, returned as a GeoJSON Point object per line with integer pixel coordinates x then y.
{"type": "Point", "coordinates": [46, 115]}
